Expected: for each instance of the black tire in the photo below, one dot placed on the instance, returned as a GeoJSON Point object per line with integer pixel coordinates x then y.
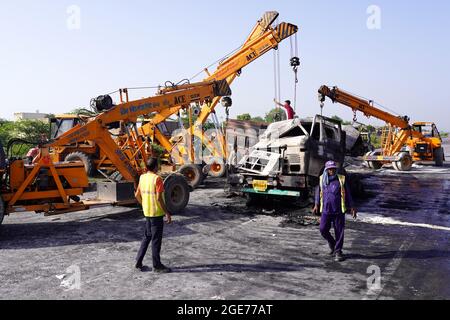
{"type": "Point", "coordinates": [375, 165]}
{"type": "Point", "coordinates": [438, 155]}
{"type": "Point", "coordinates": [252, 199]}
{"type": "Point", "coordinates": [176, 193]}
{"type": "Point", "coordinates": [83, 157]}
{"type": "Point", "coordinates": [405, 164]}
{"type": "Point", "coordinates": [217, 170]}
{"type": "Point", "coordinates": [193, 174]}
{"type": "Point", "coordinates": [2, 210]}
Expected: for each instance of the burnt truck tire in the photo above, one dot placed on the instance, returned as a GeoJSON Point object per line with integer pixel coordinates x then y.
{"type": "Point", "coordinates": [176, 193]}
{"type": "Point", "coordinates": [217, 170]}
{"type": "Point", "coordinates": [83, 157]}
{"type": "Point", "coordinates": [193, 174]}
{"type": "Point", "coordinates": [438, 155]}
{"type": "Point", "coordinates": [252, 199]}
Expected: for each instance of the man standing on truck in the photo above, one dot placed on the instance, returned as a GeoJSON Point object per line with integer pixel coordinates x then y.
{"type": "Point", "coordinates": [332, 199]}
{"type": "Point", "coordinates": [289, 110]}
{"type": "Point", "coordinates": [150, 193]}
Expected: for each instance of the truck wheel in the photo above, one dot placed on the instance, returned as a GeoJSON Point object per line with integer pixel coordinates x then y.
{"type": "Point", "coordinates": [83, 157]}
{"type": "Point", "coordinates": [376, 165]}
{"type": "Point", "coordinates": [217, 170]}
{"type": "Point", "coordinates": [2, 210]}
{"type": "Point", "coordinates": [193, 174]}
{"type": "Point", "coordinates": [176, 193]}
{"type": "Point", "coordinates": [405, 163]}
{"type": "Point", "coordinates": [438, 155]}
{"type": "Point", "coordinates": [252, 199]}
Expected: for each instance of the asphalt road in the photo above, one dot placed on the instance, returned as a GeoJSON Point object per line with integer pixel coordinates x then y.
{"type": "Point", "coordinates": [220, 250]}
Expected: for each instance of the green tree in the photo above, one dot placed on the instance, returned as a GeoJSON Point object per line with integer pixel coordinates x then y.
{"type": "Point", "coordinates": [258, 119]}
{"type": "Point", "coordinates": [29, 130]}
{"type": "Point", "coordinates": [275, 115]}
{"type": "Point", "coordinates": [244, 117]}
{"type": "Point", "coordinates": [345, 123]}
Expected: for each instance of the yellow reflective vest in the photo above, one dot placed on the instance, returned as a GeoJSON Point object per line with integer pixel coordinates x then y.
{"type": "Point", "coordinates": [342, 183]}
{"type": "Point", "coordinates": [150, 204]}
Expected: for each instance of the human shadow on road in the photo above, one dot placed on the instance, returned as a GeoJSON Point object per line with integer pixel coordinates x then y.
{"type": "Point", "coordinates": [266, 267]}
{"type": "Point", "coordinates": [127, 226]}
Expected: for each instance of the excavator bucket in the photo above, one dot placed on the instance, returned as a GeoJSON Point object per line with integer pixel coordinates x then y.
{"type": "Point", "coordinates": [267, 19]}
{"type": "Point", "coordinates": [285, 30]}
{"type": "Point", "coordinates": [222, 88]}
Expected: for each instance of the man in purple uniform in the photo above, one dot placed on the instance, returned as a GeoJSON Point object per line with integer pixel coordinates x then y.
{"type": "Point", "coordinates": [333, 200]}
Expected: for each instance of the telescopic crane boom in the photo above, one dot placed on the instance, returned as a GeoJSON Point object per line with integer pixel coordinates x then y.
{"type": "Point", "coordinates": [96, 129]}
{"type": "Point", "coordinates": [54, 187]}
{"type": "Point", "coordinates": [400, 134]}
{"type": "Point", "coordinates": [263, 38]}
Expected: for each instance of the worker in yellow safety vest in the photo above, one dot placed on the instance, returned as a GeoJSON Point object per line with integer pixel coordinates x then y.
{"type": "Point", "coordinates": [150, 193]}
{"type": "Point", "coordinates": [333, 200]}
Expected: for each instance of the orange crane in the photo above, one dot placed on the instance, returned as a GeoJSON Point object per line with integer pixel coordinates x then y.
{"type": "Point", "coordinates": [54, 187]}
{"type": "Point", "coordinates": [263, 38]}
{"type": "Point", "coordinates": [402, 144]}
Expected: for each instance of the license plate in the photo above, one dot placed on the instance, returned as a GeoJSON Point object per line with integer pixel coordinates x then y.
{"type": "Point", "coordinates": [260, 185]}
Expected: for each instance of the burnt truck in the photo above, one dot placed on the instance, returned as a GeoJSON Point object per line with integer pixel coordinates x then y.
{"type": "Point", "coordinates": [288, 160]}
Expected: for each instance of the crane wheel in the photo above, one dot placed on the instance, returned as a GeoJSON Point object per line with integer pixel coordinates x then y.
{"type": "Point", "coordinates": [438, 155]}
{"type": "Point", "coordinates": [193, 174]}
{"type": "Point", "coordinates": [83, 157]}
{"type": "Point", "coordinates": [217, 170]}
{"type": "Point", "coordinates": [376, 165]}
{"type": "Point", "coordinates": [2, 210]}
{"type": "Point", "coordinates": [394, 164]}
{"type": "Point", "coordinates": [405, 163]}
{"type": "Point", "coordinates": [176, 193]}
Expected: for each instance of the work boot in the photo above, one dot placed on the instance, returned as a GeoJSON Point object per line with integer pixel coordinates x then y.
{"type": "Point", "coordinates": [162, 269]}
{"type": "Point", "coordinates": [339, 257]}
{"type": "Point", "coordinates": [142, 268]}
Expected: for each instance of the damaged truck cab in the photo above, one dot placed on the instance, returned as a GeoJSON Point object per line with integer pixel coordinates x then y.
{"type": "Point", "coordinates": [289, 159]}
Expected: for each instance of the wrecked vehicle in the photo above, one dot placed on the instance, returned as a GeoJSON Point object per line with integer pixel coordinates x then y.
{"type": "Point", "coordinates": [289, 159]}
{"type": "Point", "coordinates": [358, 140]}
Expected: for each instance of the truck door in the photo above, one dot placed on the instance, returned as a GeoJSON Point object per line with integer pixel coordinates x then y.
{"type": "Point", "coordinates": [327, 142]}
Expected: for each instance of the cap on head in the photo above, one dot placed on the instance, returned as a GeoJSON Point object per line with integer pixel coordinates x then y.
{"type": "Point", "coordinates": [330, 165]}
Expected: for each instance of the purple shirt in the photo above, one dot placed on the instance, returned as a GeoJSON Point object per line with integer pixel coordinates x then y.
{"type": "Point", "coordinates": [332, 197]}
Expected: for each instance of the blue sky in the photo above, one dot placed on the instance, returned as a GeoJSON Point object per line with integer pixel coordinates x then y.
{"type": "Point", "coordinates": [404, 65]}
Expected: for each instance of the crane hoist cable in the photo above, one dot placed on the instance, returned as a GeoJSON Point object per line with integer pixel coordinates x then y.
{"type": "Point", "coordinates": [295, 64]}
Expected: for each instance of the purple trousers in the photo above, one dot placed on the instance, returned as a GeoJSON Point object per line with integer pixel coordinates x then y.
{"type": "Point", "coordinates": [338, 221]}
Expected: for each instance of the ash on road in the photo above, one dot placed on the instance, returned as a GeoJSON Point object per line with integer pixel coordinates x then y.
{"type": "Point", "coordinates": [220, 250]}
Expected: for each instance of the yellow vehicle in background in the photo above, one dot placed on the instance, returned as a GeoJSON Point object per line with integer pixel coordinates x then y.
{"type": "Point", "coordinates": [429, 146]}
{"type": "Point", "coordinates": [402, 144]}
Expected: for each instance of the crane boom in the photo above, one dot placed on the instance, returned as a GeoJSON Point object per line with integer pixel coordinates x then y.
{"type": "Point", "coordinates": [96, 129]}
{"type": "Point", "coordinates": [401, 143]}
{"type": "Point", "coordinates": [262, 39]}
{"type": "Point", "coordinates": [357, 104]}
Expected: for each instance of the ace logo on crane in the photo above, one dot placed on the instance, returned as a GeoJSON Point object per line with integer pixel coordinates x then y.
{"type": "Point", "coordinates": [180, 100]}
{"type": "Point", "coordinates": [251, 56]}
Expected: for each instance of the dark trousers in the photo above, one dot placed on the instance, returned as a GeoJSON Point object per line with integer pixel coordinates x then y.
{"type": "Point", "coordinates": [338, 221]}
{"type": "Point", "coordinates": [153, 233]}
